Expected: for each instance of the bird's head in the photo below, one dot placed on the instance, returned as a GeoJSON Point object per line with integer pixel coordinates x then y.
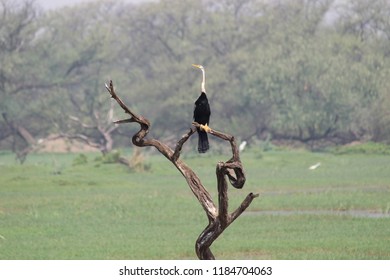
{"type": "Point", "coordinates": [198, 66]}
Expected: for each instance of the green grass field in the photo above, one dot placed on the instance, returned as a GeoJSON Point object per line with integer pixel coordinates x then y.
{"type": "Point", "coordinates": [51, 209]}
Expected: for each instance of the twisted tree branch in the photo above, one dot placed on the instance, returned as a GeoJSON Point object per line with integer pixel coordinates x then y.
{"type": "Point", "coordinates": [219, 218]}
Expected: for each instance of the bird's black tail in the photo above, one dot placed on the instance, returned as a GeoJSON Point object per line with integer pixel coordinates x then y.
{"type": "Point", "coordinates": [203, 142]}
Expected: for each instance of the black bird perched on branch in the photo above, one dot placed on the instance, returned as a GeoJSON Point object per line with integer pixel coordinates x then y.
{"type": "Point", "coordinates": [202, 114]}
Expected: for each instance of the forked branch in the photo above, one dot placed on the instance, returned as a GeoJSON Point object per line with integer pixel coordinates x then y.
{"type": "Point", "coordinates": [219, 218]}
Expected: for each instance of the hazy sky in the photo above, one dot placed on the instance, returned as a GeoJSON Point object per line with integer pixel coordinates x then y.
{"type": "Point", "coordinates": [53, 4]}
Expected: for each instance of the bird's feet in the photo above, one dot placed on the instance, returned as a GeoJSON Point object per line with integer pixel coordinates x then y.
{"type": "Point", "coordinates": [205, 128]}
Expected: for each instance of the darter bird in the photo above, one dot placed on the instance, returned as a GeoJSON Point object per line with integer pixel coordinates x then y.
{"type": "Point", "coordinates": [202, 114]}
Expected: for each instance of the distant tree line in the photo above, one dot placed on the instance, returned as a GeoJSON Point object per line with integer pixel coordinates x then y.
{"type": "Point", "coordinates": [302, 70]}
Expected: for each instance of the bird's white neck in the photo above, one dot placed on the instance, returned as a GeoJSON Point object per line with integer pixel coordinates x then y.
{"type": "Point", "coordinates": [203, 85]}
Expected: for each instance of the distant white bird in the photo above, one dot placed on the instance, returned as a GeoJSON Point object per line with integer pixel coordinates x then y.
{"type": "Point", "coordinates": [315, 166]}
{"type": "Point", "coordinates": [242, 146]}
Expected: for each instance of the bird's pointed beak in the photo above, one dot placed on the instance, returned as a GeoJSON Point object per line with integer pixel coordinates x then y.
{"type": "Point", "coordinates": [196, 65]}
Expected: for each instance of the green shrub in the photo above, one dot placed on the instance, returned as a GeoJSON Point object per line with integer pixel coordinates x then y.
{"type": "Point", "coordinates": [137, 162]}
{"type": "Point", "coordinates": [371, 148]}
{"type": "Point", "coordinates": [109, 158]}
{"type": "Point", "coordinates": [81, 159]}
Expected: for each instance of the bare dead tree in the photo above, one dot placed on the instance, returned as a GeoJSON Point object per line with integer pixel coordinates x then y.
{"type": "Point", "coordinates": [218, 217]}
{"type": "Point", "coordinates": [24, 142]}
{"type": "Point", "coordinates": [100, 136]}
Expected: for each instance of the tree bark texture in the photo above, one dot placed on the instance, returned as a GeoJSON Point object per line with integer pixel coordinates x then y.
{"type": "Point", "coordinates": [218, 217]}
